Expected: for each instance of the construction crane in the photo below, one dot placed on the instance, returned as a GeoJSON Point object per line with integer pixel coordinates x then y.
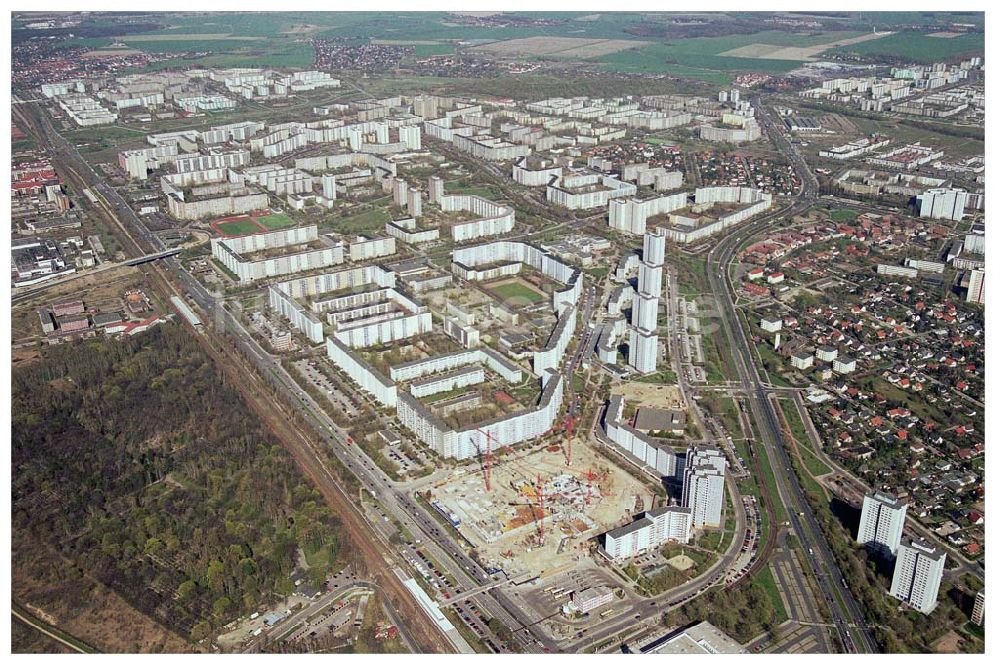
{"type": "Point", "coordinates": [540, 516]}
{"type": "Point", "coordinates": [569, 423]}
{"type": "Point", "coordinates": [537, 506]}
{"type": "Point", "coordinates": [591, 477]}
{"type": "Point", "coordinates": [488, 456]}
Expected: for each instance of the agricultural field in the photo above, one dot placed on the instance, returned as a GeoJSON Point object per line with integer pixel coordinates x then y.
{"type": "Point", "coordinates": [919, 47]}
{"type": "Point", "coordinates": [560, 47]}
{"type": "Point", "coordinates": [775, 52]}
{"type": "Point", "coordinates": [714, 58]}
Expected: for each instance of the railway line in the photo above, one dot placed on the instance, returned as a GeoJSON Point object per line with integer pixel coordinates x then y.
{"type": "Point", "coordinates": [277, 418]}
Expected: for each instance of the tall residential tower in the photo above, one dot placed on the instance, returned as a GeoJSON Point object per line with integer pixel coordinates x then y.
{"type": "Point", "coordinates": [643, 341]}
{"type": "Point", "coordinates": [882, 519]}
{"type": "Point", "coordinates": [917, 577]}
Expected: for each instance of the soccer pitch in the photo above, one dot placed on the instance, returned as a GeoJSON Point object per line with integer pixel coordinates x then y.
{"type": "Point", "coordinates": [516, 290]}
{"type": "Point", "coordinates": [238, 227]}
{"type": "Point", "coordinates": [276, 221]}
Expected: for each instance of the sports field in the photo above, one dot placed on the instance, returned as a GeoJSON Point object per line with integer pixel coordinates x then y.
{"type": "Point", "coordinates": [237, 227]}
{"type": "Point", "coordinates": [276, 221]}
{"type": "Point", "coordinates": [515, 290]}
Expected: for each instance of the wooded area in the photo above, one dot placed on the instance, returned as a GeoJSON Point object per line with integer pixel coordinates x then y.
{"type": "Point", "coordinates": [139, 464]}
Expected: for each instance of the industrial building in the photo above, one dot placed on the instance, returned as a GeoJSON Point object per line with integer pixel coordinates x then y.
{"type": "Point", "coordinates": [702, 638]}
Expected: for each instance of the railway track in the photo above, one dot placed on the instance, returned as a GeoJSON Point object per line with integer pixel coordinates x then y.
{"type": "Point", "coordinates": [772, 534]}
{"type": "Point", "coordinates": [279, 419]}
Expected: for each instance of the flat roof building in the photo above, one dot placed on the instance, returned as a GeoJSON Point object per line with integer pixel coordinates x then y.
{"type": "Point", "coordinates": [917, 576]}
{"type": "Point", "coordinates": [882, 520]}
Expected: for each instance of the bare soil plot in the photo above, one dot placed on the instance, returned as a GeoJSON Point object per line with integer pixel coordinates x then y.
{"type": "Point", "coordinates": [53, 589]}
{"type": "Point", "coordinates": [503, 523]}
{"type": "Point", "coordinates": [681, 562]}
{"type": "Point", "coordinates": [301, 29]}
{"type": "Point", "coordinates": [950, 643]}
{"type": "Point", "coordinates": [110, 53]}
{"type": "Point", "coordinates": [406, 42]}
{"type": "Point", "coordinates": [651, 395]}
{"type": "Point", "coordinates": [568, 47]}
{"type": "Point", "coordinates": [773, 52]}
{"type": "Point", "coordinates": [945, 35]}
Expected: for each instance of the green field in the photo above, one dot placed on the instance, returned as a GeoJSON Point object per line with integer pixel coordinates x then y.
{"type": "Point", "coordinates": [700, 57]}
{"type": "Point", "coordinates": [238, 227]}
{"type": "Point", "coordinates": [426, 50]}
{"type": "Point", "coordinates": [919, 47]}
{"type": "Point", "coordinates": [843, 215]}
{"type": "Point", "coordinates": [516, 290]}
{"type": "Point", "coordinates": [276, 221]}
{"type": "Point", "coordinates": [485, 192]}
{"type": "Point", "coordinates": [765, 581]}
{"type": "Point", "coordinates": [367, 222]}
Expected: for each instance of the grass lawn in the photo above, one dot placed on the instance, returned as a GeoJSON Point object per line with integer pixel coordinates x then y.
{"type": "Point", "coordinates": [780, 513]}
{"type": "Point", "coordinates": [765, 581]}
{"type": "Point", "coordinates": [724, 408]}
{"type": "Point", "coordinates": [664, 377]}
{"type": "Point", "coordinates": [598, 273]}
{"type": "Point", "coordinates": [812, 462]}
{"type": "Point", "coordinates": [23, 145]}
{"type": "Point", "coordinates": [844, 215]}
{"type": "Point", "coordinates": [276, 221]}
{"type": "Point", "coordinates": [512, 290]}
{"type": "Point", "coordinates": [476, 191]}
{"type": "Point", "coordinates": [425, 50]}
{"type": "Point", "coordinates": [714, 346]}
{"type": "Point", "coordinates": [318, 558]}
{"type": "Point", "coordinates": [656, 141]}
{"type": "Point", "coordinates": [367, 222]}
{"type": "Point", "coordinates": [773, 364]}
{"type": "Point", "coordinates": [238, 227]}
{"type": "Point", "coordinates": [815, 466]}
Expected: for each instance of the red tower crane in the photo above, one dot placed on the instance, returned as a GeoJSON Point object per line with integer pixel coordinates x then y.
{"type": "Point", "coordinates": [568, 425]}
{"type": "Point", "coordinates": [540, 517]}
{"type": "Point", "coordinates": [590, 486]}
{"type": "Point", "coordinates": [488, 456]}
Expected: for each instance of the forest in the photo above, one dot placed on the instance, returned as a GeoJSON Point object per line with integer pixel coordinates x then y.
{"type": "Point", "coordinates": [139, 464]}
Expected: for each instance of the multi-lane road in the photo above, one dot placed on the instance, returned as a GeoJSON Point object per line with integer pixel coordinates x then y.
{"type": "Point", "coordinates": [427, 537]}
{"type": "Point", "coordinates": [848, 618]}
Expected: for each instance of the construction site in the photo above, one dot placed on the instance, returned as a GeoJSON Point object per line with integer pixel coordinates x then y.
{"type": "Point", "coordinates": [538, 511]}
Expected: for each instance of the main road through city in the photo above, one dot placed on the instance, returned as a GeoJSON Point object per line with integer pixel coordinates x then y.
{"type": "Point", "coordinates": [415, 519]}
{"type": "Point", "coordinates": [843, 608]}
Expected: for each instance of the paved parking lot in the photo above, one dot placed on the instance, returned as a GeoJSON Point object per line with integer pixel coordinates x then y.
{"type": "Point", "coordinates": [345, 401]}
{"type": "Point", "coordinates": [410, 462]}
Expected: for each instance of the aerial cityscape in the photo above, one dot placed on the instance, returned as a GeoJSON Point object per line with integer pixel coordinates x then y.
{"type": "Point", "coordinates": [492, 332]}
